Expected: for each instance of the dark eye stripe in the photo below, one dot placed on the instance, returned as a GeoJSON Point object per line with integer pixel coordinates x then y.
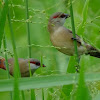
{"type": "Point", "coordinates": [36, 63]}
{"type": "Point", "coordinates": [32, 62]}
{"type": "Point", "coordinates": [62, 16]}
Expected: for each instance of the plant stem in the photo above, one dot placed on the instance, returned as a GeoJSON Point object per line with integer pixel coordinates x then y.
{"type": "Point", "coordinates": [6, 61]}
{"type": "Point", "coordinates": [29, 43]}
{"type": "Point", "coordinates": [73, 30]}
{"type": "Point", "coordinates": [3, 14]}
{"type": "Point", "coordinates": [28, 30]}
{"type": "Point", "coordinates": [16, 65]}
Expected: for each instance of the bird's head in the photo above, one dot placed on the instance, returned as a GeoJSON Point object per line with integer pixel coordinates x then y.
{"type": "Point", "coordinates": [35, 64]}
{"type": "Point", "coordinates": [2, 63]}
{"type": "Point", "coordinates": [58, 18]}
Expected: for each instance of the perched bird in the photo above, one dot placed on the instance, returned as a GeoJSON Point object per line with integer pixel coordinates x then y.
{"type": "Point", "coordinates": [23, 64]}
{"type": "Point", "coordinates": [62, 37]}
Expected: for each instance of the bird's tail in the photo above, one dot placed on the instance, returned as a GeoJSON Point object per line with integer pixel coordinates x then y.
{"type": "Point", "coordinates": [93, 52]}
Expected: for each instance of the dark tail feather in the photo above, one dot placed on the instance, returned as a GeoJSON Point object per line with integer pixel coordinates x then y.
{"type": "Point", "coordinates": [93, 52]}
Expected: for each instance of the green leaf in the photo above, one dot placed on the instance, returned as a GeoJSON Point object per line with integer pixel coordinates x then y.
{"type": "Point", "coordinates": [16, 64]}
{"type": "Point", "coordinates": [3, 14]}
{"type": "Point", "coordinates": [46, 81]}
{"type": "Point", "coordinates": [71, 65]}
{"type": "Point", "coordinates": [84, 13]}
{"type": "Point", "coordinates": [82, 91]}
{"type": "Point", "coordinates": [67, 89]}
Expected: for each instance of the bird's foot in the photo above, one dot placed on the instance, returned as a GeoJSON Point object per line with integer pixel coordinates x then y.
{"type": "Point", "coordinates": [77, 68]}
{"type": "Point", "coordinates": [74, 38]}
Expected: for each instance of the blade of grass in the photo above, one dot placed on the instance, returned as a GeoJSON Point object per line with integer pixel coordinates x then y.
{"type": "Point", "coordinates": [28, 29]}
{"type": "Point", "coordinates": [16, 65]}
{"type": "Point", "coordinates": [84, 13]}
{"type": "Point", "coordinates": [67, 89]}
{"type": "Point", "coordinates": [41, 62]}
{"type": "Point", "coordinates": [6, 61]}
{"type": "Point", "coordinates": [46, 81]}
{"type": "Point", "coordinates": [29, 43]}
{"type": "Point", "coordinates": [63, 95]}
{"type": "Point", "coordinates": [42, 94]}
{"type": "Point", "coordinates": [50, 91]}
{"type": "Point", "coordinates": [82, 91]}
{"type": "Point", "coordinates": [71, 65]}
{"type": "Point", "coordinates": [3, 19]}
{"type": "Point", "coordinates": [23, 95]}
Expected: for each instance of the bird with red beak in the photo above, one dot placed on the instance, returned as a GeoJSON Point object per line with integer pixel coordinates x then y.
{"type": "Point", "coordinates": [62, 37]}
{"type": "Point", "coordinates": [23, 65]}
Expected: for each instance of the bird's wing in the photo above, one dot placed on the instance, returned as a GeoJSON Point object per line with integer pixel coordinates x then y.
{"type": "Point", "coordinates": [22, 64]}
{"type": "Point", "coordinates": [77, 38]}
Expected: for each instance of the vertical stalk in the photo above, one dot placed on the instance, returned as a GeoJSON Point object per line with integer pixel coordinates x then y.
{"type": "Point", "coordinates": [41, 62]}
{"type": "Point", "coordinates": [29, 43]}
{"type": "Point", "coordinates": [28, 30]}
{"type": "Point", "coordinates": [3, 14]}
{"type": "Point", "coordinates": [6, 61]}
{"type": "Point", "coordinates": [42, 94]}
{"type": "Point", "coordinates": [16, 65]}
{"type": "Point", "coordinates": [73, 30]}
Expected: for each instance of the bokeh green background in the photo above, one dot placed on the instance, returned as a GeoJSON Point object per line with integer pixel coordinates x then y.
{"type": "Point", "coordinates": [56, 62]}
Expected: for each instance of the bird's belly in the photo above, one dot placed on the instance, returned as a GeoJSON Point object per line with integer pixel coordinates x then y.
{"type": "Point", "coordinates": [67, 47]}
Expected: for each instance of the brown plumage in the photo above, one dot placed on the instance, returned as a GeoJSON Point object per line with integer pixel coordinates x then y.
{"type": "Point", "coordinates": [63, 38]}
{"type": "Point", "coordinates": [23, 65]}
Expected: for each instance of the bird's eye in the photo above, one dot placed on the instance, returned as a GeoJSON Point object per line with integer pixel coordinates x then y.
{"type": "Point", "coordinates": [37, 63]}
{"type": "Point", "coordinates": [62, 16]}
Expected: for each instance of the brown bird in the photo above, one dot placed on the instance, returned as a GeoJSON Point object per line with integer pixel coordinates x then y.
{"type": "Point", "coordinates": [23, 64]}
{"type": "Point", "coordinates": [62, 37]}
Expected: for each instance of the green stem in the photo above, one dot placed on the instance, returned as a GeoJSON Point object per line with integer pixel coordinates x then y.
{"type": "Point", "coordinates": [28, 30]}
{"type": "Point", "coordinates": [42, 94]}
{"type": "Point", "coordinates": [29, 43]}
{"type": "Point", "coordinates": [23, 95]}
{"type": "Point", "coordinates": [73, 30]}
{"type": "Point", "coordinates": [3, 13]}
{"type": "Point", "coordinates": [6, 61]}
{"type": "Point", "coordinates": [16, 65]}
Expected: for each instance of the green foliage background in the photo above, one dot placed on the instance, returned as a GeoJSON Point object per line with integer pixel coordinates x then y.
{"type": "Point", "coordinates": [56, 62]}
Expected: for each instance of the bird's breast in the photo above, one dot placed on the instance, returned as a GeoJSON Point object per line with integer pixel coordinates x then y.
{"type": "Point", "coordinates": [64, 43]}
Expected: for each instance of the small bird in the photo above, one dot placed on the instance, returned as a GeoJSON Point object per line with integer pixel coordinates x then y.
{"type": "Point", "coordinates": [23, 64]}
{"type": "Point", "coordinates": [62, 37]}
